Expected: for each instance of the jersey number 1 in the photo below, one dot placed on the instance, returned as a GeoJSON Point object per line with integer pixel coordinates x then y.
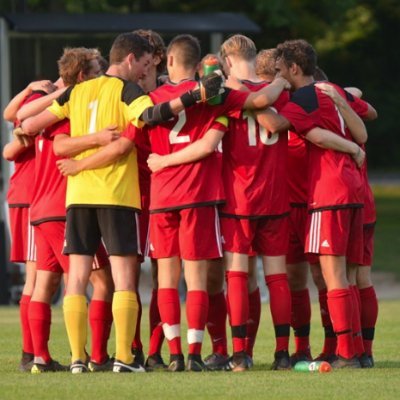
{"type": "Point", "coordinates": [265, 136]}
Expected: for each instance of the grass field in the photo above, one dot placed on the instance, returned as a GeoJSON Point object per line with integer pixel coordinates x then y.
{"type": "Point", "coordinates": [387, 234]}
{"type": "Point", "coordinates": [382, 382]}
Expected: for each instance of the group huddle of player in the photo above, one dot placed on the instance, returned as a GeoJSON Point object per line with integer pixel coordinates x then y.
{"type": "Point", "coordinates": [154, 155]}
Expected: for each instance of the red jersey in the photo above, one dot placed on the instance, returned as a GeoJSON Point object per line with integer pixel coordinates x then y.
{"type": "Point", "coordinates": [254, 166]}
{"type": "Point", "coordinates": [20, 189]}
{"type": "Point", "coordinates": [334, 179]}
{"type": "Point", "coordinates": [50, 186]}
{"type": "Point", "coordinates": [369, 201]}
{"type": "Point", "coordinates": [297, 170]}
{"type": "Point", "coordinates": [197, 183]}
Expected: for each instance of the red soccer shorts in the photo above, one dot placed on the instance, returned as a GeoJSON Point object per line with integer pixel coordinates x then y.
{"type": "Point", "coordinates": [336, 232]}
{"type": "Point", "coordinates": [369, 233]}
{"type": "Point", "coordinates": [23, 246]}
{"type": "Point", "coordinates": [264, 236]}
{"type": "Point", "coordinates": [49, 238]}
{"type": "Point", "coordinates": [189, 233]}
{"type": "Point", "coordinates": [297, 237]}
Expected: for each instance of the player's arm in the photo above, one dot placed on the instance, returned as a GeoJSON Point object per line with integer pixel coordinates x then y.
{"type": "Point", "coordinates": [352, 120]}
{"type": "Point", "coordinates": [66, 146]}
{"type": "Point", "coordinates": [13, 149]}
{"type": "Point", "coordinates": [36, 106]}
{"type": "Point", "coordinates": [209, 86]}
{"type": "Point", "coordinates": [264, 97]}
{"type": "Point", "coordinates": [105, 156]}
{"type": "Point", "coordinates": [272, 121]}
{"type": "Point", "coordinates": [329, 140]}
{"type": "Point", "coordinates": [11, 110]}
{"type": "Point", "coordinates": [195, 151]}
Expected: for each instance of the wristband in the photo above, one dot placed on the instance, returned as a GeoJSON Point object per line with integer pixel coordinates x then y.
{"type": "Point", "coordinates": [188, 99]}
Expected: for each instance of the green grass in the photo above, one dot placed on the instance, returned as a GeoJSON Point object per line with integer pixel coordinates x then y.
{"type": "Point", "coordinates": [387, 234]}
{"type": "Point", "coordinates": [382, 382]}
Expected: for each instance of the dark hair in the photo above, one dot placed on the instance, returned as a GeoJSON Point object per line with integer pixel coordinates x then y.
{"type": "Point", "coordinates": [127, 43]}
{"type": "Point", "coordinates": [187, 48]}
{"type": "Point", "coordinates": [158, 44]}
{"type": "Point", "coordinates": [298, 52]}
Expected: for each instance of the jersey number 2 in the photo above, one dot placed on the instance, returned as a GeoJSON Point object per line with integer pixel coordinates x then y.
{"type": "Point", "coordinates": [173, 135]}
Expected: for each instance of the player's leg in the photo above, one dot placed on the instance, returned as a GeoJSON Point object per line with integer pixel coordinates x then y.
{"type": "Point", "coordinates": [137, 345]}
{"type": "Point", "coordinates": [100, 311]}
{"type": "Point", "coordinates": [198, 222]}
{"type": "Point", "coordinates": [272, 243]}
{"type": "Point", "coordinates": [253, 321]}
{"type": "Point", "coordinates": [301, 310]}
{"type": "Point", "coordinates": [217, 312]}
{"type": "Point", "coordinates": [51, 265]}
{"type": "Point", "coordinates": [329, 347]}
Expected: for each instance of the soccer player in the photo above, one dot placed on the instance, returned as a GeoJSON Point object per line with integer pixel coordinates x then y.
{"type": "Point", "coordinates": [102, 203]}
{"type": "Point", "coordinates": [149, 83]}
{"type": "Point", "coordinates": [308, 108]}
{"type": "Point", "coordinates": [19, 197]}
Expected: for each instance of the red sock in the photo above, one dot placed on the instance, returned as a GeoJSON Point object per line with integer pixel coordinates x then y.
{"type": "Point", "coordinates": [238, 299]}
{"type": "Point", "coordinates": [356, 321]}
{"type": "Point", "coordinates": [100, 319]}
{"type": "Point", "coordinates": [369, 315]}
{"type": "Point", "coordinates": [330, 340]}
{"type": "Point", "coordinates": [301, 319]}
{"type": "Point", "coordinates": [254, 320]}
{"type": "Point", "coordinates": [27, 345]}
{"type": "Point", "coordinates": [39, 321]}
{"type": "Point", "coordinates": [156, 331]}
{"type": "Point", "coordinates": [280, 305]}
{"type": "Point", "coordinates": [196, 314]}
{"type": "Point", "coordinates": [170, 312]}
{"type": "Point", "coordinates": [137, 342]}
{"type": "Point", "coordinates": [341, 310]}
{"type": "Point", "coordinates": [216, 323]}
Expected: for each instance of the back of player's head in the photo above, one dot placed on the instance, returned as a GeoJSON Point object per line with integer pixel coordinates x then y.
{"type": "Point", "coordinates": [240, 46]}
{"type": "Point", "coordinates": [158, 44]}
{"type": "Point", "coordinates": [265, 62]}
{"type": "Point", "coordinates": [129, 43]}
{"type": "Point", "coordinates": [186, 49]}
{"type": "Point", "coordinates": [74, 61]}
{"type": "Point", "coordinates": [298, 52]}
{"type": "Point", "coordinates": [320, 75]}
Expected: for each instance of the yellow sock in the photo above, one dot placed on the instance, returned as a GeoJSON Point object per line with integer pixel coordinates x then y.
{"type": "Point", "coordinates": [125, 311]}
{"type": "Point", "coordinates": [75, 317]}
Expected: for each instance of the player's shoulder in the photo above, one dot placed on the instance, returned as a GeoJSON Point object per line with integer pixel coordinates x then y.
{"type": "Point", "coordinates": [306, 98]}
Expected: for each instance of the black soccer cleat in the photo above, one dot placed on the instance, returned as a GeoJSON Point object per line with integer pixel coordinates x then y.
{"type": "Point", "coordinates": [155, 362]}
{"type": "Point", "coordinates": [105, 366]}
{"type": "Point", "coordinates": [328, 357]}
{"type": "Point", "coordinates": [121, 367]}
{"type": "Point", "coordinates": [365, 361]}
{"type": "Point", "coordinates": [176, 363]}
{"type": "Point", "coordinates": [195, 363]}
{"type": "Point", "coordinates": [281, 361]}
{"type": "Point", "coordinates": [79, 367]}
{"type": "Point", "coordinates": [342, 362]}
{"type": "Point", "coordinates": [239, 362]}
{"type": "Point", "coordinates": [216, 362]}
{"type": "Point", "coordinates": [52, 366]}
{"type": "Point", "coordinates": [138, 356]}
{"type": "Point", "coordinates": [26, 363]}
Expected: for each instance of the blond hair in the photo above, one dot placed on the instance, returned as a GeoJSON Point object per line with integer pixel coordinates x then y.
{"type": "Point", "coordinates": [265, 62]}
{"type": "Point", "coordinates": [240, 46]}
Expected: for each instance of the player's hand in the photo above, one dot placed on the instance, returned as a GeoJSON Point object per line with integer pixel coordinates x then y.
{"type": "Point", "coordinates": [330, 91]}
{"type": "Point", "coordinates": [156, 162]}
{"type": "Point", "coordinates": [210, 85]}
{"type": "Point", "coordinates": [279, 80]}
{"type": "Point", "coordinates": [45, 85]}
{"type": "Point", "coordinates": [68, 167]}
{"type": "Point", "coordinates": [359, 157]}
{"type": "Point", "coordinates": [107, 135]}
{"type": "Point", "coordinates": [24, 140]}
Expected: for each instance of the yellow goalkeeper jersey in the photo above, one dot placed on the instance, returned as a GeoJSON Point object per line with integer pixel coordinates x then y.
{"type": "Point", "coordinates": [91, 106]}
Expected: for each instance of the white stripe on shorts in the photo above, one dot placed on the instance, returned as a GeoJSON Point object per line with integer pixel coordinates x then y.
{"type": "Point", "coordinates": [139, 248]}
{"type": "Point", "coordinates": [315, 232]}
{"type": "Point", "coordinates": [218, 232]}
{"type": "Point", "coordinates": [31, 250]}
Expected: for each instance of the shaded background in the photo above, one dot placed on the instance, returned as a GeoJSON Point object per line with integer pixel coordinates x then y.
{"type": "Point", "coordinates": [357, 43]}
